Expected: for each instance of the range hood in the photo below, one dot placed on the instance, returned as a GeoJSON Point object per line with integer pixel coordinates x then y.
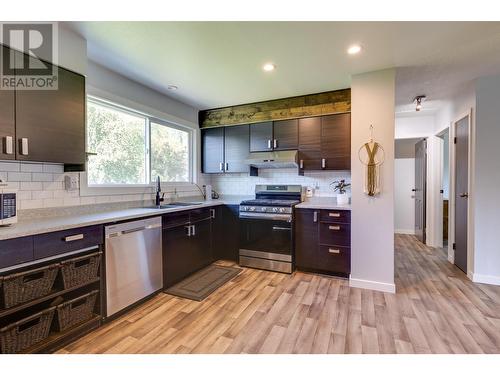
{"type": "Point", "coordinates": [273, 159]}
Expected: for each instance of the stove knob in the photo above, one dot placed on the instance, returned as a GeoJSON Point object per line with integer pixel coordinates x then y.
{"type": "Point", "coordinates": [282, 209]}
{"type": "Point", "coordinates": [252, 208]}
{"type": "Point", "coordinates": [275, 209]}
{"type": "Point", "coordinates": [263, 209]}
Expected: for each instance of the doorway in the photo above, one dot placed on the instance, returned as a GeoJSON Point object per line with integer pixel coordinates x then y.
{"type": "Point", "coordinates": [461, 191]}
{"type": "Point", "coordinates": [420, 190]}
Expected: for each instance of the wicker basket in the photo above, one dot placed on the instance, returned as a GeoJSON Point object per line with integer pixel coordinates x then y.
{"type": "Point", "coordinates": [76, 311]}
{"type": "Point", "coordinates": [81, 270]}
{"type": "Point", "coordinates": [27, 332]}
{"type": "Point", "coordinates": [29, 285]}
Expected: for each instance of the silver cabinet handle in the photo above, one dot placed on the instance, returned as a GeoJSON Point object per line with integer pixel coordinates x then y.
{"type": "Point", "coordinates": [281, 228]}
{"type": "Point", "coordinates": [301, 164]}
{"type": "Point", "coordinates": [188, 227]}
{"type": "Point", "coordinates": [323, 163]}
{"type": "Point", "coordinates": [333, 214]}
{"type": "Point", "coordinates": [9, 145]}
{"type": "Point", "coordinates": [24, 146]}
{"type": "Point", "coordinates": [193, 230]}
{"type": "Point", "coordinates": [334, 251]}
{"type": "Point", "coordinates": [269, 143]}
{"type": "Point", "coordinates": [75, 237]}
{"type": "Point", "coordinates": [275, 145]}
{"type": "Point", "coordinates": [226, 168]}
{"type": "Point", "coordinates": [315, 216]}
{"type": "Point", "coordinates": [212, 213]}
{"type": "Point", "coordinates": [334, 227]}
{"type": "Point", "coordinates": [221, 166]}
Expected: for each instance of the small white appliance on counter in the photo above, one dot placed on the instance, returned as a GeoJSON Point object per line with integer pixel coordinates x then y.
{"type": "Point", "coordinates": [8, 206]}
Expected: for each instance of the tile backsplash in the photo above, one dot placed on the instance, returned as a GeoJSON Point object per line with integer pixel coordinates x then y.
{"type": "Point", "coordinates": [41, 185]}
{"type": "Point", "coordinates": [244, 184]}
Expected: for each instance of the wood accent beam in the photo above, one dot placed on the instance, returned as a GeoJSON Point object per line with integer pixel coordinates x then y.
{"type": "Point", "coordinates": [325, 103]}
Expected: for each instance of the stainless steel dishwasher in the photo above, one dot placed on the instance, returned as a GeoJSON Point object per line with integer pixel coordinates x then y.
{"type": "Point", "coordinates": [134, 267]}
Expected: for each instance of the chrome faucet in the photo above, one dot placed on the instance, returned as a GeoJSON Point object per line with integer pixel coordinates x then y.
{"type": "Point", "coordinates": [159, 199]}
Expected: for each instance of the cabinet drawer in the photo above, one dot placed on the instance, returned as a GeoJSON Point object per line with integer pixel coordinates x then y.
{"type": "Point", "coordinates": [50, 244]}
{"type": "Point", "coordinates": [175, 219]}
{"type": "Point", "coordinates": [199, 214]}
{"type": "Point", "coordinates": [336, 216]}
{"type": "Point", "coordinates": [16, 251]}
{"type": "Point", "coordinates": [335, 234]}
{"type": "Point", "coordinates": [335, 259]}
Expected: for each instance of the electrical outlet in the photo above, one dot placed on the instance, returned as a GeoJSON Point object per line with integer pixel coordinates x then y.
{"type": "Point", "coordinates": [71, 183]}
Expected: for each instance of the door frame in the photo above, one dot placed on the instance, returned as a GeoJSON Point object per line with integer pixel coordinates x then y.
{"type": "Point", "coordinates": [470, 203]}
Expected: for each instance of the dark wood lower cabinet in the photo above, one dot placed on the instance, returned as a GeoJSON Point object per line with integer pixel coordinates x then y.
{"type": "Point", "coordinates": [322, 241]}
{"type": "Point", "coordinates": [226, 232]}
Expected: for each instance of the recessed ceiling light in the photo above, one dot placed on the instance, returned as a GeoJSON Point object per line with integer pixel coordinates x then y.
{"type": "Point", "coordinates": [172, 87]}
{"type": "Point", "coordinates": [354, 49]}
{"type": "Point", "coordinates": [269, 67]}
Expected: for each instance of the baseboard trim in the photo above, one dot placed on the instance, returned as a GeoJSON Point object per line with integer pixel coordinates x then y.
{"type": "Point", "coordinates": [451, 257]}
{"type": "Point", "coordinates": [404, 231]}
{"type": "Point", "coordinates": [486, 279]}
{"type": "Point", "coordinates": [373, 285]}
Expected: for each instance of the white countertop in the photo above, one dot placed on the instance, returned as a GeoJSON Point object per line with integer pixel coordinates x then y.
{"type": "Point", "coordinates": [323, 203]}
{"type": "Point", "coordinates": [57, 223]}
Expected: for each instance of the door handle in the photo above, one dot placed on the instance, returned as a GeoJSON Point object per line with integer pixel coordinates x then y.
{"type": "Point", "coordinates": [301, 164]}
{"type": "Point", "coordinates": [334, 251]}
{"type": "Point", "coordinates": [75, 237]}
{"type": "Point", "coordinates": [269, 143]}
{"type": "Point", "coordinates": [188, 227]}
{"type": "Point", "coordinates": [413, 189]}
{"type": "Point", "coordinates": [193, 230]}
{"type": "Point", "coordinates": [275, 143]}
{"type": "Point", "coordinates": [127, 231]}
{"type": "Point", "coordinates": [221, 166]}
{"type": "Point", "coordinates": [281, 228]}
{"type": "Point", "coordinates": [334, 227]}
{"type": "Point", "coordinates": [9, 145]}
{"type": "Point", "coordinates": [226, 167]}
{"type": "Point", "coordinates": [212, 213]}
{"type": "Point", "coordinates": [315, 217]}
{"type": "Point", "coordinates": [464, 195]}
{"type": "Point", "coordinates": [24, 146]}
{"type": "Point", "coordinates": [333, 214]}
{"type": "Point", "coordinates": [323, 163]}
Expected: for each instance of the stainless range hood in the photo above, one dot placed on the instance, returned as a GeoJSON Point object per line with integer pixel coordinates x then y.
{"type": "Point", "coordinates": [273, 159]}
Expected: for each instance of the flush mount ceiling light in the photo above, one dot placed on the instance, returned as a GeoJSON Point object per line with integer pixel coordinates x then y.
{"type": "Point", "coordinates": [172, 87]}
{"type": "Point", "coordinates": [418, 100]}
{"type": "Point", "coordinates": [354, 49]}
{"type": "Point", "coordinates": [268, 67]}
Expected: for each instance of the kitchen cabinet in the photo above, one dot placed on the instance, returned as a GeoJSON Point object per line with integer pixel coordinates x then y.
{"type": "Point", "coordinates": [325, 143]}
{"type": "Point", "coordinates": [50, 124]}
{"type": "Point", "coordinates": [224, 150]}
{"type": "Point", "coordinates": [277, 135]}
{"type": "Point", "coordinates": [7, 122]}
{"type": "Point", "coordinates": [261, 136]}
{"type": "Point", "coordinates": [225, 232]}
{"type": "Point", "coordinates": [186, 244]}
{"type": "Point", "coordinates": [322, 241]}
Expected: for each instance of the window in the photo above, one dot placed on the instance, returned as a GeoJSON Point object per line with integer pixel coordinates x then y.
{"type": "Point", "coordinates": [131, 149]}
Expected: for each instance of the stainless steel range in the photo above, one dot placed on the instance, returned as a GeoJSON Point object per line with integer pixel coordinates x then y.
{"type": "Point", "coordinates": [266, 240]}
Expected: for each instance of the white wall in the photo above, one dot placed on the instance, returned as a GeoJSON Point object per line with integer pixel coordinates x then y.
{"type": "Point", "coordinates": [414, 126]}
{"type": "Point", "coordinates": [372, 227]}
{"type": "Point", "coordinates": [487, 181]}
{"type": "Point", "coordinates": [404, 203]}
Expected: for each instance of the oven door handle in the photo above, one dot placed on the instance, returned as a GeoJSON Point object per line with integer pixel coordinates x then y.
{"type": "Point", "coordinates": [257, 216]}
{"type": "Point", "coordinates": [281, 228]}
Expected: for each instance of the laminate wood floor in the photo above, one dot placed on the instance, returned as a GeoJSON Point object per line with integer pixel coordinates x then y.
{"type": "Point", "coordinates": [436, 309]}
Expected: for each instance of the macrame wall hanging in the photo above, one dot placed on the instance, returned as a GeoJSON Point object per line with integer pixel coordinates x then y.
{"type": "Point", "coordinates": [372, 155]}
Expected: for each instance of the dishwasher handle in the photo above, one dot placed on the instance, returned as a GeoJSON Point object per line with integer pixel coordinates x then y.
{"type": "Point", "coordinates": [117, 232]}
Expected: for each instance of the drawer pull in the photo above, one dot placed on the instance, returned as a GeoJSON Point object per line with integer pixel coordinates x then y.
{"type": "Point", "coordinates": [334, 251]}
{"type": "Point", "coordinates": [75, 237]}
{"type": "Point", "coordinates": [334, 214]}
{"type": "Point", "coordinates": [334, 227]}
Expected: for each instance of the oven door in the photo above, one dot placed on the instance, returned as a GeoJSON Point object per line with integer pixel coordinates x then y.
{"type": "Point", "coordinates": [268, 236]}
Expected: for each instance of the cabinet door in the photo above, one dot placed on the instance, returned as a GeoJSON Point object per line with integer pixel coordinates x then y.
{"type": "Point", "coordinates": [310, 143]}
{"type": "Point", "coordinates": [236, 148]}
{"type": "Point", "coordinates": [201, 244]}
{"type": "Point", "coordinates": [212, 144]}
{"type": "Point", "coordinates": [286, 134]}
{"type": "Point", "coordinates": [7, 120]}
{"type": "Point", "coordinates": [52, 122]}
{"type": "Point", "coordinates": [261, 136]}
{"type": "Point", "coordinates": [306, 238]}
{"type": "Point", "coordinates": [336, 142]}
{"type": "Point", "coordinates": [226, 233]}
{"type": "Point", "coordinates": [177, 255]}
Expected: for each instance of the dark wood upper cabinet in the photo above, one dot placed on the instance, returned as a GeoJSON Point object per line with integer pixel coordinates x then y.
{"type": "Point", "coordinates": [236, 148]}
{"type": "Point", "coordinates": [336, 142]}
{"type": "Point", "coordinates": [285, 134]}
{"type": "Point", "coordinates": [261, 136]}
{"type": "Point", "coordinates": [7, 121]}
{"type": "Point", "coordinates": [51, 123]}
{"type": "Point", "coordinates": [309, 143]}
{"type": "Point", "coordinates": [212, 145]}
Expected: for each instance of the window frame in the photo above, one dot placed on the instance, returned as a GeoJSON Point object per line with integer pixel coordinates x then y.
{"type": "Point", "coordinates": [87, 189]}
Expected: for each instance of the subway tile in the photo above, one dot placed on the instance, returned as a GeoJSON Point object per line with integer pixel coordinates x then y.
{"type": "Point", "coordinates": [19, 176]}
{"type": "Point", "coordinates": [55, 202]}
{"type": "Point", "coordinates": [53, 168]}
{"type": "Point", "coordinates": [43, 194]}
{"type": "Point", "coordinates": [56, 185]}
{"type": "Point", "coordinates": [30, 204]}
{"type": "Point", "coordinates": [23, 195]}
{"type": "Point", "coordinates": [31, 167]}
{"type": "Point", "coordinates": [31, 186]}
{"type": "Point", "coordinates": [44, 177]}
{"type": "Point", "coordinates": [7, 166]}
